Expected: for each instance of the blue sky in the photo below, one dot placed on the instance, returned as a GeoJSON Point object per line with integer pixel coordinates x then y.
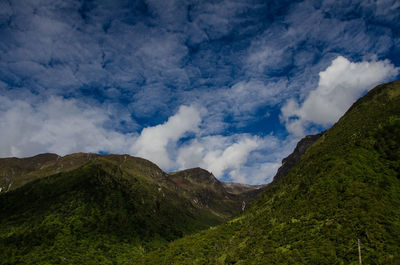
{"type": "Point", "coordinates": [230, 86]}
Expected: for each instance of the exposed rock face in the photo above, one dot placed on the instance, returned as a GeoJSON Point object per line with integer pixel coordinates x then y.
{"type": "Point", "coordinates": [291, 161]}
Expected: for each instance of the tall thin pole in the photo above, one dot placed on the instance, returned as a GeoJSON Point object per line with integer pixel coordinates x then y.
{"type": "Point", "coordinates": [359, 251]}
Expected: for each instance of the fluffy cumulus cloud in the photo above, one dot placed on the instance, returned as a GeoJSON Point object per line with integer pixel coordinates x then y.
{"type": "Point", "coordinates": [231, 158]}
{"type": "Point", "coordinates": [339, 86]}
{"type": "Point", "coordinates": [242, 157]}
{"type": "Point", "coordinates": [218, 154]}
{"type": "Point", "coordinates": [158, 142]}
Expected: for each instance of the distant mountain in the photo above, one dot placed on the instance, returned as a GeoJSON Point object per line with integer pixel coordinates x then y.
{"type": "Point", "coordinates": [223, 199]}
{"type": "Point", "coordinates": [92, 209]}
{"type": "Point", "coordinates": [344, 189]}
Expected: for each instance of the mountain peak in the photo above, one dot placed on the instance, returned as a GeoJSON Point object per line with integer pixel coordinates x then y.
{"type": "Point", "coordinates": [197, 174]}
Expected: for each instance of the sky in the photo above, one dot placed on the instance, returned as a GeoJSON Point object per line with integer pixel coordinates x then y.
{"type": "Point", "coordinates": [229, 86]}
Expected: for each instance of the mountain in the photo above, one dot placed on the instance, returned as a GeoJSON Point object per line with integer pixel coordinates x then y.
{"type": "Point", "coordinates": [222, 199]}
{"type": "Point", "coordinates": [344, 190]}
{"type": "Point", "coordinates": [15, 172]}
{"type": "Point", "coordinates": [92, 209]}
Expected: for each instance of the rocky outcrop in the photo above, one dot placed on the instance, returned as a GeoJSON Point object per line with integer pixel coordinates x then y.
{"type": "Point", "coordinates": [291, 161]}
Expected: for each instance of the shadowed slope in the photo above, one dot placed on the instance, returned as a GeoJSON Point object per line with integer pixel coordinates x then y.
{"type": "Point", "coordinates": [99, 212]}
{"type": "Point", "coordinates": [102, 209]}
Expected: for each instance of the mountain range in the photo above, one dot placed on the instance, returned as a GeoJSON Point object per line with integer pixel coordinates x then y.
{"type": "Point", "coordinates": [335, 197]}
{"type": "Point", "coordinates": [110, 207]}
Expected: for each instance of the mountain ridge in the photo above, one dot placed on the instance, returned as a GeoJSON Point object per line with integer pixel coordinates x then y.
{"type": "Point", "coordinates": [124, 206]}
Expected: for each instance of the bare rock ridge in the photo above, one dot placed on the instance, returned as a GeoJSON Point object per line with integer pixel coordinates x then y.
{"type": "Point", "coordinates": [293, 159]}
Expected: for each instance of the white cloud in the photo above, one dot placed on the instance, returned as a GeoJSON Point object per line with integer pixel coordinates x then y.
{"type": "Point", "coordinates": [191, 155]}
{"type": "Point", "coordinates": [246, 97]}
{"type": "Point", "coordinates": [341, 84]}
{"type": "Point", "coordinates": [218, 19]}
{"type": "Point", "coordinates": [218, 154]}
{"type": "Point", "coordinates": [56, 125]}
{"type": "Point", "coordinates": [258, 173]}
{"type": "Point", "coordinates": [234, 156]}
{"type": "Point", "coordinates": [153, 142]}
{"type": "Point", "coordinates": [242, 157]}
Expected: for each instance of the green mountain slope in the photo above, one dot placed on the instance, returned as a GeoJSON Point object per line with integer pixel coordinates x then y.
{"type": "Point", "coordinates": [96, 213]}
{"type": "Point", "coordinates": [346, 187]}
{"type": "Point", "coordinates": [102, 209]}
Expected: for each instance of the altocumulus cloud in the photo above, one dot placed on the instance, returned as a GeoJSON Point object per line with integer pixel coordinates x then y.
{"type": "Point", "coordinates": [227, 85]}
{"type": "Point", "coordinates": [339, 86]}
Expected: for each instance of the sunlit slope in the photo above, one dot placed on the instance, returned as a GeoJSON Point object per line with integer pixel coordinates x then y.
{"type": "Point", "coordinates": [16, 172]}
{"type": "Point", "coordinates": [346, 187]}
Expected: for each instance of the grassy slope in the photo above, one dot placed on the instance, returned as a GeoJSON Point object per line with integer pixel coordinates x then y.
{"type": "Point", "coordinates": [346, 187]}
{"type": "Point", "coordinates": [105, 212]}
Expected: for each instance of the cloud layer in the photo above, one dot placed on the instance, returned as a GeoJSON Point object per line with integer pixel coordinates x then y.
{"type": "Point", "coordinates": [228, 85]}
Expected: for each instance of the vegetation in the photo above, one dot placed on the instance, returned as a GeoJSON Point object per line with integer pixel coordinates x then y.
{"type": "Point", "coordinates": [346, 187]}
{"type": "Point", "coordinates": [96, 214]}
{"type": "Point", "coordinates": [92, 209]}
